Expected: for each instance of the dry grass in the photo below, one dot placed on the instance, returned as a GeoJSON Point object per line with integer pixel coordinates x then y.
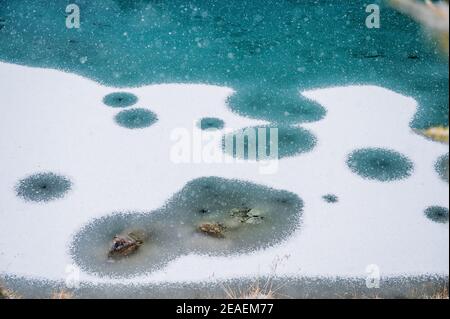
{"type": "Point", "coordinates": [441, 294]}
{"type": "Point", "coordinates": [259, 289]}
{"type": "Point", "coordinates": [8, 294]}
{"type": "Point", "coordinates": [438, 134]}
{"type": "Point", "coordinates": [432, 15]}
{"type": "Point", "coordinates": [62, 294]}
{"type": "Point", "coordinates": [255, 291]}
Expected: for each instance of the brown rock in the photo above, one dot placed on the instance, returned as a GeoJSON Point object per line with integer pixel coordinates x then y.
{"type": "Point", "coordinates": [212, 229]}
{"type": "Point", "coordinates": [123, 246]}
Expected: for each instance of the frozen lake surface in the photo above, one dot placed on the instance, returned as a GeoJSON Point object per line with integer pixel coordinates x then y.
{"type": "Point", "coordinates": [95, 121]}
{"type": "Point", "coordinates": [61, 125]}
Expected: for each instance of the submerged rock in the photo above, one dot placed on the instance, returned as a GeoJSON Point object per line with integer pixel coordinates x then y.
{"type": "Point", "coordinates": [247, 215]}
{"type": "Point", "coordinates": [125, 245]}
{"type": "Point", "coordinates": [254, 220]}
{"type": "Point", "coordinates": [213, 229]}
{"type": "Point", "coordinates": [240, 212]}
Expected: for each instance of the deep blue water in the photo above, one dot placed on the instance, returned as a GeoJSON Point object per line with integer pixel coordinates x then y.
{"type": "Point", "coordinates": [264, 49]}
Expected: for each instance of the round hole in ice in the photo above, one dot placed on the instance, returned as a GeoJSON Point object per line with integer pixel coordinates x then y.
{"type": "Point", "coordinates": [437, 214]}
{"type": "Point", "coordinates": [211, 123]}
{"type": "Point", "coordinates": [330, 198]}
{"type": "Point", "coordinates": [120, 99]}
{"type": "Point", "coordinates": [442, 167]}
{"type": "Point", "coordinates": [136, 118]}
{"type": "Point", "coordinates": [379, 164]}
{"type": "Point", "coordinates": [43, 187]}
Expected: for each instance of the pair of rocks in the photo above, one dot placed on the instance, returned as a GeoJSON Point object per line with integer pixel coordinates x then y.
{"type": "Point", "coordinates": [247, 215]}
{"type": "Point", "coordinates": [128, 243]}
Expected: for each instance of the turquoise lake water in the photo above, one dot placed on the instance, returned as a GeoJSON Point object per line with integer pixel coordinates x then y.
{"type": "Point", "coordinates": [265, 50]}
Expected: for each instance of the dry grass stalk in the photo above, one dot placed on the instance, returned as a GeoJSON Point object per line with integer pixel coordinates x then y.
{"type": "Point", "coordinates": [8, 294]}
{"type": "Point", "coordinates": [62, 294]}
{"type": "Point", "coordinates": [432, 15]}
{"type": "Point", "coordinates": [258, 290]}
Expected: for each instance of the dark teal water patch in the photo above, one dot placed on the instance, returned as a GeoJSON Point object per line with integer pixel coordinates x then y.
{"type": "Point", "coordinates": [43, 187]}
{"type": "Point", "coordinates": [265, 49]}
{"type": "Point", "coordinates": [247, 144]}
{"type": "Point", "coordinates": [380, 164]}
{"type": "Point", "coordinates": [136, 118]}
{"type": "Point", "coordinates": [442, 167]}
{"type": "Point", "coordinates": [330, 198]}
{"type": "Point", "coordinates": [120, 99]}
{"type": "Point", "coordinates": [275, 105]}
{"type": "Point", "coordinates": [252, 216]}
{"type": "Point", "coordinates": [437, 214]}
{"type": "Point", "coordinates": [211, 123]}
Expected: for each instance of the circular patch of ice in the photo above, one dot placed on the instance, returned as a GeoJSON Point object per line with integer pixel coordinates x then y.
{"type": "Point", "coordinates": [136, 118]}
{"type": "Point", "coordinates": [380, 164]}
{"type": "Point", "coordinates": [43, 187]}
{"type": "Point", "coordinates": [437, 214]}
{"type": "Point", "coordinates": [120, 99]}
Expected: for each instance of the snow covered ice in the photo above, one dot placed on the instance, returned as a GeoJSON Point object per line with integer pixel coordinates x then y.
{"type": "Point", "coordinates": [91, 114]}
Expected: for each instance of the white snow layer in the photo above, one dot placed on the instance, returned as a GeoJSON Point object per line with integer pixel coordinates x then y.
{"type": "Point", "coordinates": [54, 121]}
